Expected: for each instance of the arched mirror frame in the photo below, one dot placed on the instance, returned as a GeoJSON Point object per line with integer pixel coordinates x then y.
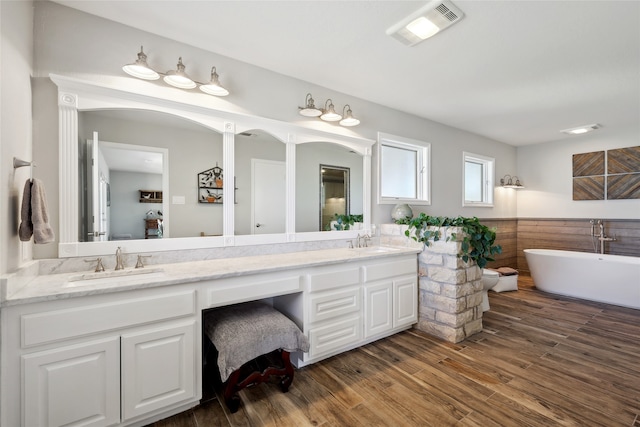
{"type": "Point", "coordinates": [77, 95]}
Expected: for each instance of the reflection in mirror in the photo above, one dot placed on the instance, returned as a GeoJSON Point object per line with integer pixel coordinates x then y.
{"type": "Point", "coordinates": [112, 208]}
{"type": "Point", "coordinates": [190, 148]}
{"type": "Point", "coordinates": [260, 181]}
{"type": "Point", "coordinates": [309, 157]}
{"type": "Point", "coordinates": [334, 194]}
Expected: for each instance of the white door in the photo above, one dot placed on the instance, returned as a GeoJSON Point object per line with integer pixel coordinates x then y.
{"type": "Point", "coordinates": [98, 212]}
{"type": "Point", "coordinates": [158, 368]}
{"type": "Point", "coordinates": [77, 385]}
{"type": "Point", "coordinates": [268, 198]}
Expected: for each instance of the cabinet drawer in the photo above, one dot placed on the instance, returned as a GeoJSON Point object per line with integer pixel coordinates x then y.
{"type": "Point", "coordinates": [248, 289]}
{"type": "Point", "coordinates": [334, 279]}
{"type": "Point", "coordinates": [327, 305]}
{"type": "Point", "coordinates": [385, 270]}
{"type": "Point", "coordinates": [334, 336]}
{"type": "Point", "coordinates": [50, 326]}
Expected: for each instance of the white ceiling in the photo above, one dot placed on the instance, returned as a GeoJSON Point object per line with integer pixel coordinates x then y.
{"type": "Point", "coordinates": [514, 71]}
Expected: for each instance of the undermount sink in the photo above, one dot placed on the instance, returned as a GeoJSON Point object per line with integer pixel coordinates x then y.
{"type": "Point", "coordinates": [115, 276]}
{"type": "Point", "coordinates": [377, 249]}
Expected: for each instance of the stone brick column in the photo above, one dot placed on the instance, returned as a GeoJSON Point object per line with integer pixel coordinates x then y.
{"type": "Point", "coordinates": [450, 300]}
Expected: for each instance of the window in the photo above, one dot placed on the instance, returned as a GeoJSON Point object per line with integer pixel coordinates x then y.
{"type": "Point", "coordinates": [403, 170]}
{"type": "Point", "coordinates": [478, 177]}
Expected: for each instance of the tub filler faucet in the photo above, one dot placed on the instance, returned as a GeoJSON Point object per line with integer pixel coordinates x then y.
{"type": "Point", "coordinates": [601, 236]}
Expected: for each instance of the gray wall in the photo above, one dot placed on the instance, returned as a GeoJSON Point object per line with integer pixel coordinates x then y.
{"type": "Point", "coordinates": [16, 65]}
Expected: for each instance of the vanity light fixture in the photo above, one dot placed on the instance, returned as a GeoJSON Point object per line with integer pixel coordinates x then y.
{"type": "Point", "coordinates": [309, 109]}
{"type": "Point", "coordinates": [140, 68]}
{"type": "Point", "coordinates": [214, 87]}
{"type": "Point", "coordinates": [508, 183]}
{"type": "Point", "coordinates": [425, 22]}
{"type": "Point", "coordinates": [328, 114]}
{"type": "Point", "coordinates": [176, 78]}
{"type": "Point", "coordinates": [581, 129]}
{"type": "Point", "coordinates": [348, 120]}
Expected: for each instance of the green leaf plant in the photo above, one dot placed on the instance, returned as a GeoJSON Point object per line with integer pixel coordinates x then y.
{"type": "Point", "coordinates": [344, 222]}
{"type": "Point", "coordinates": [477, 241]}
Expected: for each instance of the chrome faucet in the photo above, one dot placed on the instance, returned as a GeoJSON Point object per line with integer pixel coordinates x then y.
{"type": "Point", "coordinates": [364, 238]}
{"type": "Point", "coordinates": [119, 263]}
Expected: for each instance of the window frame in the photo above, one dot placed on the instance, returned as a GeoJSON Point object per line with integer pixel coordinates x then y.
{"type": "Point", "coordinates": [422, 152]}
{"type": "Point", "coordinates": [488, 177]}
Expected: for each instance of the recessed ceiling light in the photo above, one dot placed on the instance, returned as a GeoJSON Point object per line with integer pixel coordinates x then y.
{"type": "Point", "coordinates": [425, 22]}
{"type": "Point", "coordinates": [581, 129]}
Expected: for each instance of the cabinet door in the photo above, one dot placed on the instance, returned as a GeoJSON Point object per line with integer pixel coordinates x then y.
{"type": "Point", "coordinates": [158, 368]}
{"type": "Point", "coordinates": [77, 385]}
{"type": "Point", "coordinates": [378, 308]}
{"type": "Point", "coordinates": [405, 300]}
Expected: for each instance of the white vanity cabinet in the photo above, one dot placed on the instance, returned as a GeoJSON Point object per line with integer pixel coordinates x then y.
{"type": "Point", "coordinates": [102, 360]}
{"type": "Point", "coordinates": [390, 296]}
{"type": "Point", "coordinates": [348, 305]}
{"type": "Point", "coordinates": [333, 304]}
{"type": "Point", "coordinates": [74, 384]}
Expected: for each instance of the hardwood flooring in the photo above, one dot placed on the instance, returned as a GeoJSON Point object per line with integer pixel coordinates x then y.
{"type": "Point", "coordinates": [542, 360]}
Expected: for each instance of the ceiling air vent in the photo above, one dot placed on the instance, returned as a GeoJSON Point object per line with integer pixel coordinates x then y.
{"type": "Point", "coordinates": [426, 22]}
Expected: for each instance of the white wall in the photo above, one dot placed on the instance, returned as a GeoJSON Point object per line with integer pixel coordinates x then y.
{"type": "Point", "coordinates": [16, 64]}
{"type": "Point", "coordinates": [546, 171]}
{"type": "Point", "coordinates": [74, 43]}
{"type": "Point", "coordinates": [127, 214]}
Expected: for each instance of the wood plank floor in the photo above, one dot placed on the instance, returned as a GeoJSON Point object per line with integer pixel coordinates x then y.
{"type": "Point", "coordinates": [542, 360]}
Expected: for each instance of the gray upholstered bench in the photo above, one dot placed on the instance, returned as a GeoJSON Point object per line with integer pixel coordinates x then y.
{"type": "Point", "coordinates": [241, 333]}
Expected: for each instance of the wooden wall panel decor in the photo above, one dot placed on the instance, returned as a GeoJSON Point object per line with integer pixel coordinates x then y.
{"type": "Point", "coordinates": [623, 160]}
{"type": "Point", "coordinates": [588, 164]}
{"type": "Point", "coordinates": [588, 188]}
{"type": "Point", "coordinates": [625, 186]}
{"type": "Point", "coordinates": [574, 235]}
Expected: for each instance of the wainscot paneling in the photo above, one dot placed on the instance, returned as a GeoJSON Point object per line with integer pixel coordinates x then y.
{"type": "Point", "coordinates": [506, 237]}
{"type": "Point", "coordinates": [574, 235]}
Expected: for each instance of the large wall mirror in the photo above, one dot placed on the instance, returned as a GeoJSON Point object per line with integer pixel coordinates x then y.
{"type": "Point", "coordinates": [144, 186]}
{"type": "Point", "coordinates": [311, 205]}
{"type": "Point", "coordinates": [263, 163]}
{"type": "Point", "coordinates": [260, 168]}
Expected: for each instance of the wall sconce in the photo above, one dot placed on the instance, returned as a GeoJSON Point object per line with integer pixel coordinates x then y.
{"type": "Point", "coordinates": [176, 78]}
{"type": "Point", "coordinates": [508, 183]}
{"type": "Point", "coordinates": [328, 113]}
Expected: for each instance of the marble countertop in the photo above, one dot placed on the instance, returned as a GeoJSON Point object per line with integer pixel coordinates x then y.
{"type": "Point", "coordinates": [70, 285]}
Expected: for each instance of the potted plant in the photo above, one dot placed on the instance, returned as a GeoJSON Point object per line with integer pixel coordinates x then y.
{"type": "Point", "coordinates": [345, 222]}
{"type": "Point", "coordinates": [477, 242]}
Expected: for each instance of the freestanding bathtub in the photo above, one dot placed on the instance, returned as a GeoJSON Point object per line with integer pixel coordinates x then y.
{"type": "Point", "coordinates": [612, 279]}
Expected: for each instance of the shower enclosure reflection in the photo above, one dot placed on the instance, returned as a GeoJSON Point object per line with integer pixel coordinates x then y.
{"type": "Point", "coordinates": [334, 194]}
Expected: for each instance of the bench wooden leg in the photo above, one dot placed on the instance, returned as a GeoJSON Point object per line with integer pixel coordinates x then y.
{"type": "Point", "coordinates": [233, 385]}
{"type": "Point", "coordinates": [288, 372]}
{"type": "Point", "coordinates": [231, 397]}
